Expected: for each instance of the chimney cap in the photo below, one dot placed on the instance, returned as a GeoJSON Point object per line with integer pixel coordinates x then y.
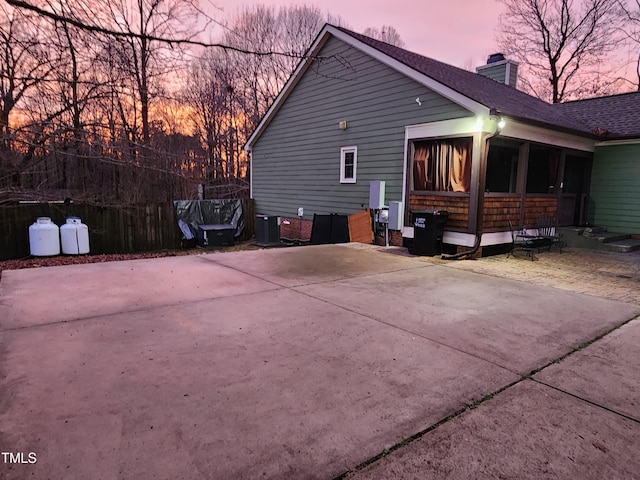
{"type": "Point", "coordinates": [495, 57]}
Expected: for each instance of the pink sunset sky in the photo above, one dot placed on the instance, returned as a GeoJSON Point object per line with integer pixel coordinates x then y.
{"type": "Point", "coordinates": [458, 32]}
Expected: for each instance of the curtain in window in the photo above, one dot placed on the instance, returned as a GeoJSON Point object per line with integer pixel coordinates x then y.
{"type": "Point", "coordinates": [442, 165]}
{"type": "Point", "coordinates": [420, 157]}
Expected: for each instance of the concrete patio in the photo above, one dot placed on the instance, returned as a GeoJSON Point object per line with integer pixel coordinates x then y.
{"type": "Point", "coordinates": [316, 362]}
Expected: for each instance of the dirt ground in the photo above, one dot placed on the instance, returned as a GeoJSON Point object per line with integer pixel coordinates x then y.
{"type": "Point", "coordinates": [38, 262]}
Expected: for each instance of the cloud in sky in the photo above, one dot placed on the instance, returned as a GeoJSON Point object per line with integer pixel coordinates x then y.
{"type": "Point", "coordinates": [458, 32]}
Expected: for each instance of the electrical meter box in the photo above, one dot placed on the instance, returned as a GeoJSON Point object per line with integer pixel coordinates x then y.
{"type": "Point", "coordinates": [376, 194]}
{"type": "Point", "coordinates": [396, 216]}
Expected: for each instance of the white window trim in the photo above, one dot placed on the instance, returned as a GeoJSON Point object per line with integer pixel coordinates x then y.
{"type": "Point", "coordinates": [343, 152]}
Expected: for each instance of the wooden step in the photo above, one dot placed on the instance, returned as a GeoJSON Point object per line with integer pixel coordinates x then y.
{"type": "Point", "coordinates": [623, 246]}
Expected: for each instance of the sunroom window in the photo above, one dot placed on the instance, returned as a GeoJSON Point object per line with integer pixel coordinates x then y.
{"type": "Point", "coordinates": [442, 165]}
{"type": "Point", "coordinates": [542, 171]}
{"type": "Point", "coordinates": [502, 166]}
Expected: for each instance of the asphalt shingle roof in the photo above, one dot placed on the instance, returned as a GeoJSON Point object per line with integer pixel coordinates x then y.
{"type": "Point", "coordinates": [616, 116]}
{"type": "Point", "coordinates": [620, 114]}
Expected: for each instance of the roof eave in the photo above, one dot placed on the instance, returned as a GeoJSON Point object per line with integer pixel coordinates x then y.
{"type": "Point", "coordinates": [622, 139]}
{"type": "Point", "coordinates": [538, 123]}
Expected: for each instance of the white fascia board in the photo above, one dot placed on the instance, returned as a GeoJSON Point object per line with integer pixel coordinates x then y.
{"type": "Point", "coordinates": [466, 239]}
{"type": "Point", "coordinates": [411, 73]}
{"type": "Point", "coordinates": [469, 239]}
{"type": "Point", "coordinates": [523, 131]}
{"type": "Point", "coordinates": [495, 238]}
{"type": "Point", "coordinates": [459, 238]}
{"type": "Point", "coordinates": [405, 167]}
{"type": "Point", "coordinates": [449, 128]}
{"type": "Point", "coordinates": [615, 143]}
{"type": "Point", "coordinates": [250, 174]}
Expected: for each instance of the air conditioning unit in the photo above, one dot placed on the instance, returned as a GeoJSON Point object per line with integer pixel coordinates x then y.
{"type": "Point", "coordinates": [267, 230]}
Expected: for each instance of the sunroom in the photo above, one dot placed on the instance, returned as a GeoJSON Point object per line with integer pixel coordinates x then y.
{"type": "Point", "coordinates": [488, 174]}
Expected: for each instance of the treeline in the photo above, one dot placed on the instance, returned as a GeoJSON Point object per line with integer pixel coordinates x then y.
{"type": "Point", "coordinates": [115, 102]}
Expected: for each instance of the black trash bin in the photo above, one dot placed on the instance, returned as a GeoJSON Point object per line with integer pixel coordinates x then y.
{"type": "Point", "coordinates": [428, 229]}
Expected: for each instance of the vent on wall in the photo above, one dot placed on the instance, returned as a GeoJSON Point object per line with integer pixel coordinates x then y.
{"type": "Point", "coordinates": [267, 230]}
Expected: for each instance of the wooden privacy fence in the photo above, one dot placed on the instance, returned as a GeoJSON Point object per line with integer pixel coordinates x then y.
{"type": "Point", "coordinates": [131, 229]}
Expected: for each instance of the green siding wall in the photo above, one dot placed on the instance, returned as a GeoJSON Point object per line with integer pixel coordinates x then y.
{"type": "Point", "coordinates": [615, 188]}
{"type": "Point", "coordinates": [513, 76]}
{"type": "Point", "coordinates": [494, 72]}
{"type": "Point", "coordinates": [296, 161]}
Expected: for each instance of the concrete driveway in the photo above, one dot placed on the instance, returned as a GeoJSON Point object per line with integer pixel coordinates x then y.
{"type": "Point", "coordinates": [310, 363]}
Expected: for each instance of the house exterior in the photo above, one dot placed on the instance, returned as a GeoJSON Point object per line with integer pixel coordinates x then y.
{"type": "Point", "coordinates": [359, 110]}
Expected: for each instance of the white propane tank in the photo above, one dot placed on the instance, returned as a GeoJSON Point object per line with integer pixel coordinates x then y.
{"type": "Point", "coordinates": [44, 238]}
{"type": "Point", "coordinates": [75, 237]}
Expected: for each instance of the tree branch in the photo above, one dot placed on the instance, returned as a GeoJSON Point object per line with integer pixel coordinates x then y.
{"type": "Point", "coordinates": [132, 35]}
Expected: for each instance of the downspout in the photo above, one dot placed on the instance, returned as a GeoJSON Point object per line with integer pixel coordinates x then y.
{"type": "Point", "coordinates": [480, 204]}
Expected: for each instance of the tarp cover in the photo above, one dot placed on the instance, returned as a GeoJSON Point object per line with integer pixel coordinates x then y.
{"type": "Point", "coordinates": [209, 212]}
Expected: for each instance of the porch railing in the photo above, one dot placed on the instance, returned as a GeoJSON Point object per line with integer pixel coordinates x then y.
{"type": "Point", "coordinates": [499, 209]}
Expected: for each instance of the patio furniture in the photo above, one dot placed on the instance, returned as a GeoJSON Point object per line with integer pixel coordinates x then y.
{"type": "Point", "coordinates": [522, 243]}
{"type": "Point", "coordinates": [547, 230]}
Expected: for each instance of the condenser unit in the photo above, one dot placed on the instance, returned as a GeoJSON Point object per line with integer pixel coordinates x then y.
{"type": "Point", "coordinates": [267, 230]}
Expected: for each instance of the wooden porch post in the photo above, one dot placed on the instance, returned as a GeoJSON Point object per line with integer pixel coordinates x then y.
{"type": "Point", "coordinates": [476, 184]}
{"type": "Point", "coordinates": [521, 184]}
{"type": "Point", "coordinates": [559, 186]}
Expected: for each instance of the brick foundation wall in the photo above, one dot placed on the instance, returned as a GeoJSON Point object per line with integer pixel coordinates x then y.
{"type": "Point", "coordinates": [395, 239]}
{"type": "Point", "coordinates": [293, 230]}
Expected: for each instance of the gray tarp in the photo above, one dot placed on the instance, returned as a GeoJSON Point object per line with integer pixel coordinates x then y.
{"type": "Point", "coordinates": [208, 212]}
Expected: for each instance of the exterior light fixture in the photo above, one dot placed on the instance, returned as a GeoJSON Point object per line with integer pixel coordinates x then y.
{"type": "Point", "coordinates": [343, 125]}
{"type": "Point", "coordinates": [495, 116]}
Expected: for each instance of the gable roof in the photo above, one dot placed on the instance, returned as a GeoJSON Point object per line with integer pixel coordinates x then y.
{"type": "Point", "coordinates": [615, 116]}
{"type": "Point", "coordinates": [494, 95]}
{"type": "Point", "coordinates": [477, 93]}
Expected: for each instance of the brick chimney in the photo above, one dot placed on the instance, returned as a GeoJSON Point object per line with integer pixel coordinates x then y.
{"type": "Point", "coordinates": [500, 69]}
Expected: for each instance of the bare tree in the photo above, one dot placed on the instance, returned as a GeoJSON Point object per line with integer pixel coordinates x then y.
{"type": "Point", "coordinates": [141, 57]}
{"type": "Point", "coordinates": [90, 90]}
{"type": "Point", "coordinates": [230, 90]}
{"type": "Point", "coordinates": [563, 46]}
{"type": "Point", "coordinates": [209, 93]}
{"type": "Point", "coordinates": [631, 29]}
{"type": "Point", "coordinates": [258, 30]}
{"type": "Point", "coordinates": [24, 63]}
{"type": "Point", "coordinates": [386, 34]}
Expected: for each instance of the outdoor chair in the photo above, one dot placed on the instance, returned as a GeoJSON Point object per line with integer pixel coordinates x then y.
{"type": "Point", "coordinates": [521, 243]}
{"type": "Point", "coordinates": [548, 231]}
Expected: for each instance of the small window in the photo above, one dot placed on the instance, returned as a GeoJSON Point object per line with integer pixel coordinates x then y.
{"type": "Point", "coordinates": [348, 162]}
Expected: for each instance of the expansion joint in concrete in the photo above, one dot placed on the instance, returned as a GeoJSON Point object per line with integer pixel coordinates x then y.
{"type": "Point", "coordinates": [477, 403]}
{"type": "Point", "coordinates": [615, 412]}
